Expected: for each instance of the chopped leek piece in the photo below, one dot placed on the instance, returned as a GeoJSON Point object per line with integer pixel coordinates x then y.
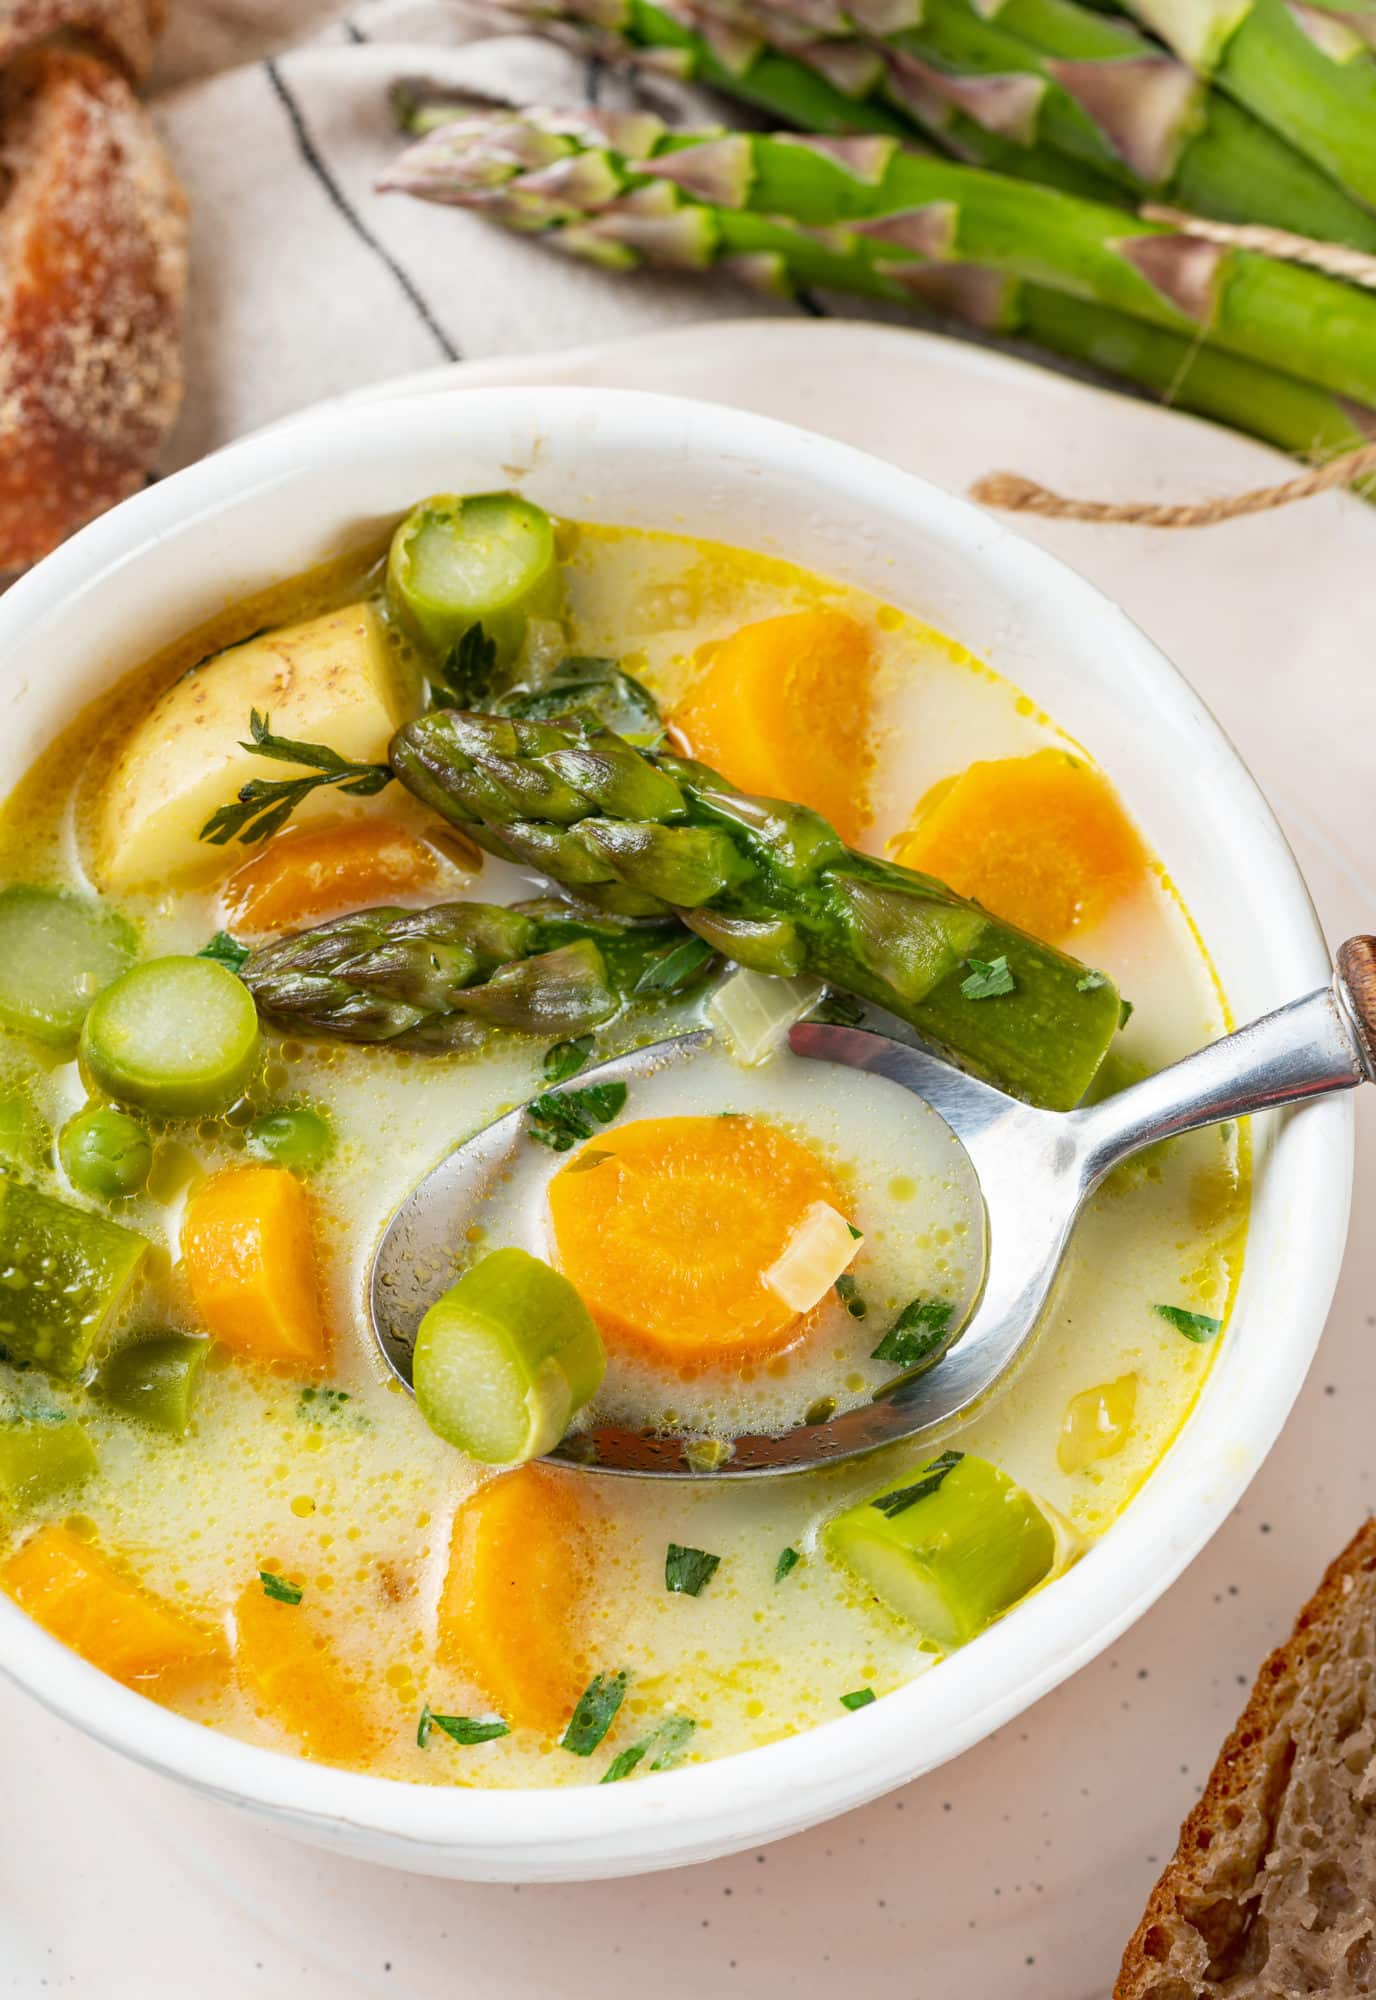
{"type": "Point", "coordinates": [753, 1012]}
{"type": "Point", "coordinates": [64, 1275]}
{"type": "Point", "coordinates": [153, 1379]}
{"type": "Point", "coordinates": [25, 1138]}
{"type": "Point", "coordinates": [949, 1549]}
{"type": "Point", "coordinates": [506, 1359]}
{"type": "Point", "coordinates": [177, 1035]}
{"type": "Point", "coordinates": [457, 564]}
{"type": "Point", "coordinates": [56, 952]}
{"type": "Point", "coordinates": [41, 1453]}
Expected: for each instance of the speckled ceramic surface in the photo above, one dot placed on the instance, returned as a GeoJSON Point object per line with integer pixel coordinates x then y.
{"type": "Point", "coordinates": [1020, 1868]}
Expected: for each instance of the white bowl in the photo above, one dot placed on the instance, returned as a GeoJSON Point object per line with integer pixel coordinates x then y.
{"type": "Point", "coordinates": [281, 501]}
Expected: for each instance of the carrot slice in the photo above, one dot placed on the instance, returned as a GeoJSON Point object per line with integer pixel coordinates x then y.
{"type": "Point", "coordinates": [520, 1559]}
{"type": "Point", "coordinates": [325, 870]}
{"type": "Point", "coordinates": [782, 708]}
{"type": "Point", "coordinates": [1040, 841]}
{"type": "Point", "coordinates": [248, 1248]}
{"type": "Point", "coordinates": [669, 1228]}
{"type": "Point", "coordinates": [88, 1602]}
{"type": "Point", "coordinates": [289, 1672]}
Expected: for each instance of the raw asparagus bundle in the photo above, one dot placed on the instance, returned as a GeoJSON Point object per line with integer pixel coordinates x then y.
{"type": "Point", "coordinates": [768, 884]}
{"type": "Point", "coordinates": [862, 215]}
{"type": "Point", "coordinates": [440, 978]}
{"type": "Point", "coordinates": [1047, 89]}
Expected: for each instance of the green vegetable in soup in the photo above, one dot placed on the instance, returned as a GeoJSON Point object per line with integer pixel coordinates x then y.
{"type": "Point", "coordinates": [919, 1336]}
{"type": "Point", "coordinates": [297, 1138]}
{"type": "Point", "coordinates": [688, 1571]}
{"type": "Point", "coordinates": [950, 1548]}
{"type": "Point", "coordinates": [177, 1036]}
{"type": "Point", "coordinates": [154, 1379]}
{"type": "Point", "coordinates": [460, 1728]}
{"type": "Point", "coordinates": [597, 689]}
{"type": "Point", "coordinates": [595, 1713]}
{"type": "Point", "coordinates": [64, 1274]}
{"type": "Point", "coordinates": [25, 1137]}
{"type": "Point", "coordinates": [506, 1359]}
{"type": "Point", "coordinates": [42, 1453]}
{"type": "Point", "coordinates": [1198, 1327]}
{"type": "Point", "coordinates": [456, 564]}
{"type": "Point", "coordinates": [56, 952]}
{"type": "Point", "coordinates": [106, 1153]}
{"type": "Point", "coordinates": [859, 1698]}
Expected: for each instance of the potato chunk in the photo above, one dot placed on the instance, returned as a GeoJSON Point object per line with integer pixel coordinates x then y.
{"type": "Point", "coordinates": [332, 680]}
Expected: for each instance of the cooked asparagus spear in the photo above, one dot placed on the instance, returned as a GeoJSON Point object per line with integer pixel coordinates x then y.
{"type": "Point", "coordinates": [440, 978]}
{"type": "Point", "coordinates": [768, 884]}
{"type": "Point", "coordinates": [860, 215]}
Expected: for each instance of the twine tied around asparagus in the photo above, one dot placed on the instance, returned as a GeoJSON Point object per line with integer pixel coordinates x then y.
{"type": "Point", "coordinates": [1013, 493]}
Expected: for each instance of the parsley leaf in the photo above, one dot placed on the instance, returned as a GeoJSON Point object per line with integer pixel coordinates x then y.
{"type": "Point", "coordinates": [917, 1335]}
{"type": "Point", "coordinates": [927, 1482]}
{"type": "Point", "coordinates": [688, 1570]}
{"type": "Point", "coordinates": [565, 1059]}
{"type": "Point", "coordinates": [848, 1292]}
{"type": "Point", "coordinates": [462, 1728]}
{"type": "Point", "coordinates": [264, 805]}
{"type": "Point", "coordinates": [861, 1698]}
{"type": "Point", "coordinates": [666, 1742]}
{"type": "Point", "coordinates": [988, 978]}
{"type": "Point", "coordinates": [595, 1713]}
{"type": "Point", "coordinates": [1091, 981]}
{"type": "Point", "coordinates": [788, 1559]}
{"type": "Point", "coordinates": [560, 1119]}
{"type": "Point", "coordinates": [225, 950]}
{"type": "Point", "coordinates": [468, 667]}
{"type": "Point", "coordinates": [1198, 1327]}
{"type": "Point", "coordinates": [670, 971]}
{"type": "Point", "coordinates": [623, 1764]}
{"type": "Point", "coordinates": [278, 1588]}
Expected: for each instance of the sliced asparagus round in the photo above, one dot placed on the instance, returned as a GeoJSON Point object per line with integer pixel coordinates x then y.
{"type": "Point", "coordinates": [177, 1035]}
{"type": "Point", "coordinates": [457, 564]}
{"type": "Point", "coordinates": [56, 952]}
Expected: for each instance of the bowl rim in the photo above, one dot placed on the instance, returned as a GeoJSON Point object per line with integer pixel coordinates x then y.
{"type": "Point", "coordinates": [738, 1800]}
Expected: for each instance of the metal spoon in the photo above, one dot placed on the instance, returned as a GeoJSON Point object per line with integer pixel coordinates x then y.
{"type": "Point", "coordinates": [1035, 1171]}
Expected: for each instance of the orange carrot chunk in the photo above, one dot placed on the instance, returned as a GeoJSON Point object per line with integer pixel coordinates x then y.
{"type": "Point", "coordinates": [1040, 841]}
{"type": "Point", "coordinates": [326, 870]}
{"type": "Point", "coordinates": [510, 1614]}
{"type": "Point", "coordinates": [671, 1228]}
{"type": "Point", "coordinates": [248, 1248]}
{"type": "Point", "coordinates": [90, 1604]}
{"type": "Point", "coordinates": [783, 708]}
{"type": "Point", "coordinates": [289, 1673]}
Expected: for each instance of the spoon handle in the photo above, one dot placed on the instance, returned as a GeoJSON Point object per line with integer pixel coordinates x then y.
{"type": "Point", "coordinates": [1323, 1043]}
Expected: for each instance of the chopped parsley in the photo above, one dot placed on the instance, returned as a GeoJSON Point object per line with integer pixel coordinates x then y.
{"type": "Point", "coordinates": [988, 978]}
{"type": "Point", "coordinates": [595, 1713]}
{"type": "Point", "coordinates": [838, 1010]}
{"type": "Point", "coordinates": [926, 1483]}
{"type": "Point", "coordinates": [688, 1571]}
{"type": "Point", "coordinates": [788, 1559]}
{"type": "Point", "coordinates": [1091, 981]}
{"type": "Point", "coordinates": [225, 950]}
{"type": "Point", "coordinates": [277, 1587]}
{"type": "Point", "coordinates": [666, 1743]}
{"type": "Point", "coordinates": [462, 1728]}
{"type": "Point", "coordinates": [562, 1119]}
{"type": "Point", "coordinates": [468, 668]}
{"type": "Point", "coordinates": [1199, 1327]}
{"type": "Point", "coordinates": [917, 1335]}
{"type": "Point", "coordinates": [670, 971]}
{"type": "Point", "coordinates": [264, 805]}
{"type": "Point", "coordinates": [565, 1059]}
{"type": "Point", "coordinates": [861, 1698]}
{"type": "Point", "coordinates": [624, 1762]}
{"type": "Point", "coordinates": [848, 1292]}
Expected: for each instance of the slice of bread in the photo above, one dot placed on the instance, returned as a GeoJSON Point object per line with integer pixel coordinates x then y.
{"type": "Point", "coordinates": [1271, 1892]}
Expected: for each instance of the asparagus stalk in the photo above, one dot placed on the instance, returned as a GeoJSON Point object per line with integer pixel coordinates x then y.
{"type": "Point", "coordinates": [860, 215]}
{"type": "Point", "coordinates": [440, 978]}
{"type": "Point", "coordinates": [768, 884]}
{"type": "Point", "coordinates": [1308, 74]}
{"type": "Point", "coordinates": [1046, 89]}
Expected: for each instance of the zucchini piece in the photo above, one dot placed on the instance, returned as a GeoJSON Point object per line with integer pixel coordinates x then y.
{"type": "Point", "coordinates": [64, 1275]}
{"type": "Point", "coordinates": [506, 1359]}
{"type": "Point", "coordinates": [56, 952]}
{"type": "Point", "coordinates": [177, 1035]}
{"type": "Point", "coordinates": [487, 560]}
{"type": "Point", "coordinates": [154, 1378]}
{"type": "Point", "coordinates": [949, 1546]}
{"type": "Point", "coordinates": [41, 1453]}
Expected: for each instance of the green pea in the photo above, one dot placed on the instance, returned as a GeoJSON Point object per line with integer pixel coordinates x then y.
{"type": "Point", "coordinates": [105, 1153]}
{"type": "Point", "coordinates": [298, 1138]}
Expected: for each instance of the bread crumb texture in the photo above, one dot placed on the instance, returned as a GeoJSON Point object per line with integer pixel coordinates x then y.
{"type": "Point", "coordinates": [1271, 1892]}
{"type": "Point", "coordinates": [92, 291]}
{"type": "Point", "coordinates": [124, 31]}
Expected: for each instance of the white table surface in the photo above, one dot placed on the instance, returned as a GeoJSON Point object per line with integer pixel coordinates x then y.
{"type": "Point", "coordinates": [1019, 1869]}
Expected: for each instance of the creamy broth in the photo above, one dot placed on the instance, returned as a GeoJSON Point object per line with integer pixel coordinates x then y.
{"type": "Point", "coordinates": [340, 1485]}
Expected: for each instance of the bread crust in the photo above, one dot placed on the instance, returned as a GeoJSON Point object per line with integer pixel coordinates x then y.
{"type": "Point", "coordinates": [1224, 1843]}
{"type": "Point", "coordinates": [124, 31]}
{"type": "Point", "coordinates": [92, 295]}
